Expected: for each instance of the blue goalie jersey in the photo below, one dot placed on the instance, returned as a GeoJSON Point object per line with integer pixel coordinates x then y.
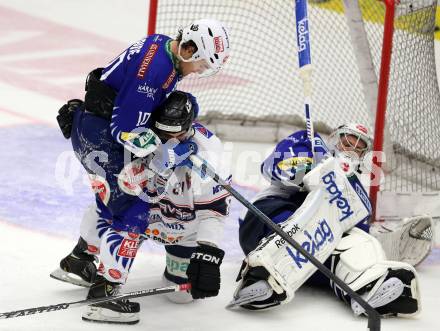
{"type": "Point", "coordinates": [292, 156]}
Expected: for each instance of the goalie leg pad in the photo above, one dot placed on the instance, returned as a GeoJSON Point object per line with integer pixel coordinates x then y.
{"type": "Point", "coordinates": [334, 205]}
{"type": "Point", "coordinates": [390, 287]}
{"type": "Point", "coordinates": [316, 228]}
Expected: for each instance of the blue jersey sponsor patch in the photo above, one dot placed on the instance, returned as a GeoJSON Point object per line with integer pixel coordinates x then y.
{"type": "Point", "coordinates": [204, 131]}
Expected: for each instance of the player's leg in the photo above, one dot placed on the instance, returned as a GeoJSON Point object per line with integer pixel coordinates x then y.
{"type": "Point", "coordinates": [117, 253]}
{"type": "Point", "coordinates": [254, 291]}
{"type": "Point", "coordinates": [119, 244]}
{"type": "Point", "coordinates": [79, 266]}
{"type": "Point", "coordinates": [104, 160]}
{"type": "Point", "coordinates": [390, 287]}
{"type": "Point", "coordinates": [177, 261]}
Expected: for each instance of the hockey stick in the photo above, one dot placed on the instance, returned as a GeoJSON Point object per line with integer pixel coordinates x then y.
{"type": "Point", "coordinates": [305, 64]}
{"type": "Point", "coordinates": [87, 302]}
{"type": "Point", "coordinates": [206, 170]}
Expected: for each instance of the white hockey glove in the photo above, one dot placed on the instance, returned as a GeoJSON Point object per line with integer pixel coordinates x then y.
{"type": "Point", "coordinates": [172, 154]}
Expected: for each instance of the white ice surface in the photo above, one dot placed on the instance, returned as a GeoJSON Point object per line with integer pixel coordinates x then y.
{"type": "Point", "coordinates": [28, 256]}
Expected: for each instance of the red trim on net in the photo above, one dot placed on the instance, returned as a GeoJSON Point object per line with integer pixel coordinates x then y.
{"type": "Point", "coordinates": [152, 16]}
{"type": "Point", "coordinates": [382, 98]}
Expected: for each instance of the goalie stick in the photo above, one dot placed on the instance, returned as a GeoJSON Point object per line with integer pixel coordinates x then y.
{"type": "Point", "coordinates": [305, 63]}
{"type": "Point", "coordinates": [206, 170]}
{"type": "Point", "coordinates": [87, 302]}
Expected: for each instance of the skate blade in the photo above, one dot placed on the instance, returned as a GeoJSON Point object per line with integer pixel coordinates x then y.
{"type": "Point", "coordinates": [107, 316]}
{"type": "Point", "coordinates": [67, 277]}
{"type": "Point", "coordinates": [256, 292]}
{"type": "Point", "coordinates": [386, 293]}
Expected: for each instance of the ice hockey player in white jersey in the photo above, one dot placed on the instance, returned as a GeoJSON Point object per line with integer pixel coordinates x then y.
{"type": "Point", "coordinates": [186, 214]}
{"type": "Point", "coordinates": [187, 210]}
{"type": "Point", "coordinates": [324, 207]}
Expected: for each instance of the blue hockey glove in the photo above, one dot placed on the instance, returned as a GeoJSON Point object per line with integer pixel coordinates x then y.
{"type": "Point", "coordinates": [173, 154]}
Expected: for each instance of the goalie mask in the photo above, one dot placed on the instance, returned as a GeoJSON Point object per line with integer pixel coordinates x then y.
{"type": "Point", "coordinates": [352, 141]}
{"type": "Point", "coordinates": [212, 40]}
{"type": "Point", "coordinates": [174, 117]}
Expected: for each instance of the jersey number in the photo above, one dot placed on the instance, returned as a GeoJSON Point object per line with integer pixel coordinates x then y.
{"type": "Point", "coordinates": [114, 65]}
{"type": "Point", "coordinates": [143, 118]}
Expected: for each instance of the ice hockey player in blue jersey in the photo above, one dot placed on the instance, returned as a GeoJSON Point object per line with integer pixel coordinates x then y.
{"type": "Point", "coordinates": [186, 215]}
{"type": "Point", "coordinates": [110, 131]}
{"type": "Point", "coordinates": [318, 199]}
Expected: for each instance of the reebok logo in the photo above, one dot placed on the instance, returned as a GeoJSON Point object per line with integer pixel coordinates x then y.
{"type": "Point", "coordinates": [290, 233]}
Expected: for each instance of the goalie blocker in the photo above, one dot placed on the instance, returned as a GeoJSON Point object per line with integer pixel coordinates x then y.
{"type": "Point", "coordinates": [323, 225]}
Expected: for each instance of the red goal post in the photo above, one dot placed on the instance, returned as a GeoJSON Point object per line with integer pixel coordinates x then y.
{"type": "Point", "coordinates": [260, 90]}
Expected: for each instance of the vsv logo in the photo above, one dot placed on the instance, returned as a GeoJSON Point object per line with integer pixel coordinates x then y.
{"type": "Point", "coordinates": [322, 235]}
{"type": "Point", "coordinates": [333, 189]}
{"type": "Point", "coordinates": [302, 34]}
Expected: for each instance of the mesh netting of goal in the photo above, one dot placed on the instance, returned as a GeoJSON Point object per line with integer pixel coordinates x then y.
{"type": "Point", "coordinates": [260, 83]}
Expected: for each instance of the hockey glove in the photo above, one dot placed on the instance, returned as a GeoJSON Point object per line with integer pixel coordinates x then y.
{"type": "Point", "coordinates": [65, 116]}
{"type": "Point", "coordinates": [173, 154]}
{"type": "Point", "coordinates": [204, 271]}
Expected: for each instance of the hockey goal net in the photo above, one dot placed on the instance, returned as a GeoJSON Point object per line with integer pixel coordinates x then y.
{"type": "Point", "coordinates": [260, 87]}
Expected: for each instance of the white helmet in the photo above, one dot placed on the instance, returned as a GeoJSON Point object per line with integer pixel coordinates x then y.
{"type": "Point", "coordinates": [349, 147]}
{"type": "Point", "coordinates": [212, 40]}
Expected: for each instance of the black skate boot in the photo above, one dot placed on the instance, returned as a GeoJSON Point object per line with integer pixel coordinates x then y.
{"type": "Point", "coordinates": [397, 295]}
{"type": "Point", "coordinates": [78, 267]}
{"type": "Point", "coordinates": [113, 312]}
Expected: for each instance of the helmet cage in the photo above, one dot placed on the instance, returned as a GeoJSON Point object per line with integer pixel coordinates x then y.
{"type": "Point", "coordinates": [343, 143]}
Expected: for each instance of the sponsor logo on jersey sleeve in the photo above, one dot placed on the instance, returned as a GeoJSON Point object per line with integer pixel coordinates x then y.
{"type": "Point", "coordinates": [169, 79]}
{"type": "Point", "coordinates": [146, 61]}
{"type": "Point", "coordinates": [293, 162]}
{"type": "Point", "coordinates": [204, 131]}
